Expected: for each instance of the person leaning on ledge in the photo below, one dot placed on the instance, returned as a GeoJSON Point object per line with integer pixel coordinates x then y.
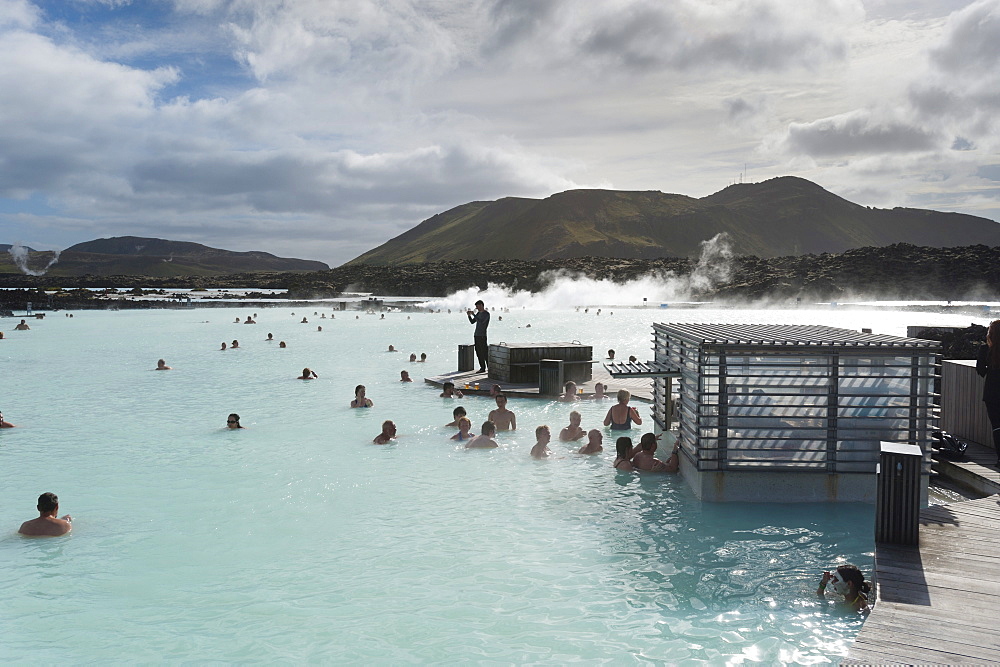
{"type": "Point", "coordinates": [47, 525]}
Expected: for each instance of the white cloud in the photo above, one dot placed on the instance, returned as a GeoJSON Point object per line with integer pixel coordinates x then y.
{"type": "Point", "coordinates": [341, 123]}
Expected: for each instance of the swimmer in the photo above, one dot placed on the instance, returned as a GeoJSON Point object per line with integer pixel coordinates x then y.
{"type": "Point", "coordinates": [5, 424]}
{"type": "Point", "coordinates": [495, 391]}
{"type": "Point", "coordinates": [161, 365]}
{"type": "Point", "coordinates": [307, 374]}
{"type": "Point", "coordinates": [457, 413]}
{"type": "Point", "coordinates": [502, 417]}
{"type": "Point", "coordinates": [413, 357]}
{"type": "Point", "coordinates": [235, 344]}
{"type": "Point", "coordinates": [464, 426]}
{"type": "Point", "coordinates": [485, 439]}
{"type": "Point", "coordinates": [848, 581]}
{"type": "Point", "coordinates": [223, 348]}
{"type": "Point", "coordinates": [541, 449]}
{"type": "Point", "coordinates": [233, 421]}
{"type": "Point", "coordinates": [270, 338]}
{"type": "Point", "coordinates": [1, 335]}
{"type": "Point", "coordinates": [569, 392]}
{"type": "Point", "coordinates": [47, 525]}
{"type": "Point", "coordinates": [643, 459]}
{"type": "Point", "coordinates": [449, 391]}
{"type": "Point", "coordinates": [573, 431]}
{"type": "Point", "coordinates": [423, 356]}
{"type": "Point", "coordinates": [304, 321]}
{"type": "Point", "coordinates": [236, 321]}
{"type": "Point", "coordinates": [632, 359]}
{"type": "Point", "coordinates": [282, 345]}
{"type": "Point", "coordinates": [360, 401]}
{"type": "Point", "coordinates": [392, 349]}
{"type": "Point", "coordinates": [621, 415]}
{"type": "Point", "coordinates": [623, 459]}
{"type": "Point", "coordinates": [323, 316]}
{"type": "Point", "coordinates": [599, 389]}
{"type": "Point", "coordinates": [250, 320]}
{"type": "Point", "coordinates": [387, 435]}
{"type": "Point", "coordinates": [319, 328]}
{"type": "Point", "coordinates": [383, 316]}
{"type": "Point", "coordinates": [23, 326]}
{"type": "Point", "coordinates": [404, 376]}
{"type": "Point", "coordinates": [594, 440]}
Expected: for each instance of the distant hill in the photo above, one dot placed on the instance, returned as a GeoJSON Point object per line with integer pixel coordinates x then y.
{"type": "Point", "coordinates": [779, 217]}
{"type": "Point", "coordinates": [4, 247]}
{"type": "Point", "coordinates": [138, 256]}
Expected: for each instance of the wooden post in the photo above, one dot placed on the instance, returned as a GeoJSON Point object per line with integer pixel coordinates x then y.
{"type": "Point", "coordinates": [897, 504]}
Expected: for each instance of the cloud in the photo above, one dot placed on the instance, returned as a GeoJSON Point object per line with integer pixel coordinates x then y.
{"type": "Point", "coordinates": [18, 14]}
{"type": "Point", "coordinates": [685, 35]}
{"type": "Point", "coordinates": [857, 133]}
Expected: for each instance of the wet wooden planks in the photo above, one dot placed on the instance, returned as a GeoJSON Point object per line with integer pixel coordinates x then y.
{"type": "Point", "coordinates": [938, 602]}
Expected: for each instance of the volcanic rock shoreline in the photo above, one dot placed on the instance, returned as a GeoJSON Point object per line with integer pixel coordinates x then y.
{"type": "Point", "coordinates": [899, 271]}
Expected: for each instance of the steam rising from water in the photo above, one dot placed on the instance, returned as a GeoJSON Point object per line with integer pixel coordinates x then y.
{"type": "Point", "coordinates": [566, 289]}
{"type": "Point", "coordinates": [20, 256]}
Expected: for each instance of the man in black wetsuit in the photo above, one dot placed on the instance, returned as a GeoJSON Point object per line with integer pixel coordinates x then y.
{"type": "Point", "coordinates": [481, 318]}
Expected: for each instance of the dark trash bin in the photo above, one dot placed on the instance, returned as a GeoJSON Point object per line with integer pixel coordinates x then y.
{"type": "Point", "coordinates": [466, 358]}
{"type": "Point", "coordinates": [550, 377]}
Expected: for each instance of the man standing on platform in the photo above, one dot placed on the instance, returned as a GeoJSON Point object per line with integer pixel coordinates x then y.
{"type": "Point", "coordinates": [481, 318]}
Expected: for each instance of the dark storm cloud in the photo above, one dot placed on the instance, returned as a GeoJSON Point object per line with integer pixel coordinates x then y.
{"type": "Point", "coordinates": [857, 133]}
{"type": "Point", "coordinates": [643, 36]}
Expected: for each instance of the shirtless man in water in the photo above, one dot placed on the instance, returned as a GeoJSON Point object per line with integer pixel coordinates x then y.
{"type": "Point", "coordinates": [47, 525]}
{"type": "Point", "coordinates": [387, 435]}
{"type": "Point", "coordinates": [541, 449]}
{"type": "Point", "coordinates": [485, 440]}
{"type": "Point", "coordinates": [573, 431]}
{"type": "Point", "coordinates": [502, 417]}
{"type": "Point", "coordinates": [5, 424]}
{"type": "Point", "coordinates": [594, 440]}
{"type": "Point", "coordinates": [644, 460]}
{"type": "Point", "coordinates": [161, 365]}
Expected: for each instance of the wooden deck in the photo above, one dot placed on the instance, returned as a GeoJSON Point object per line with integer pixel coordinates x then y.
{"type": "Point", "coordinates": [640, 388]}
{"type": "Point", "coordinates": [937, 602]}
{"type": "Point", "coordinates": [976, 471]}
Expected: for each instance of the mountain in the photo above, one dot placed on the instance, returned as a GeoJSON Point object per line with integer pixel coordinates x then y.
{"type": "Point", "coordinates": [138, 256]}
{"type": "Point", "coordinates": [4, 247]}
{"type": "Point", "coordinates": [778, 217]}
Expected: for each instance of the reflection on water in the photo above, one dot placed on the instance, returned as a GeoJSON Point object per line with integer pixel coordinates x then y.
{"type": "Point", "coordinates": [296, 539]}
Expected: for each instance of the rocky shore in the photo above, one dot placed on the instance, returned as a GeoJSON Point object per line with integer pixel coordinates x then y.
{"type": "Point", "coordinates": [899, 271]}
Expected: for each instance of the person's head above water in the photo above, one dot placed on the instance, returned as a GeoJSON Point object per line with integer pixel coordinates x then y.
{"type": "Point", "coordinates": [543, 433]}
{"type": "Point", "coordinates": [648, 442]}
{"type": "Point", "coordinates": [233, 421]}
{"type": "Point", "coordinates": [488, 428]}
{"type": "Point", "coordinates": [623, 446]}
{"type": "Point", "coordinates": [623, 396]}
{"type": "Point", "coordinates": [404, 376]}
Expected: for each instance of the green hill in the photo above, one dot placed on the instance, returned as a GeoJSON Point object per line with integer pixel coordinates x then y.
{"type": "Point", "coordinates": [779, 217]}
{"type": "Point", "coordinates": [139, 256]}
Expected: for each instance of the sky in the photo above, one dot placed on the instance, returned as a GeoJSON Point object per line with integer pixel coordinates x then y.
{"type": "Point", "coordinates": [320, 129]}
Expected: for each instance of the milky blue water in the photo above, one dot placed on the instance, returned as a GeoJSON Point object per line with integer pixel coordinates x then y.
{"type": "Point", "coordinates": [296, 539]}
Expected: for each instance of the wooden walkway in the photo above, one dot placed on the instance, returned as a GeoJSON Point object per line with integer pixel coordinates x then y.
{"type": "Point", "coordinates": [938, 602]}
{"type": "Point", "coordinates": [975, 471]}
{"type": "Point", "coordinates": [640, 388]}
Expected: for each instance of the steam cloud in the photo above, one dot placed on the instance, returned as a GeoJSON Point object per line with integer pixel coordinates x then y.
{"type": "Point", "coordinates": [565, 289]}
{"type": "Point", "coordinates": [20, 257]}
